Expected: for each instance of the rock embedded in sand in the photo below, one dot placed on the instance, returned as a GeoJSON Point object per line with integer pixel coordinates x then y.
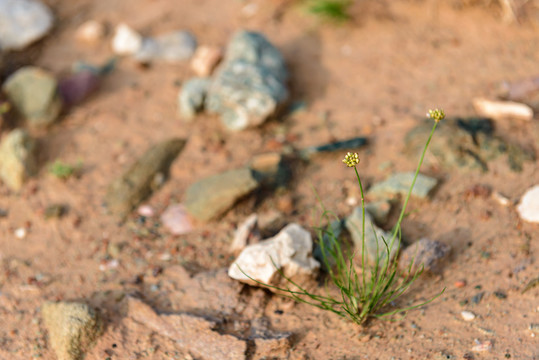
{"type": "Point", "coordinates": [528, 208]}
{"type": "Point", "coordinates": [22, 22]}
{"type": "Point", "coordinates": [212, 196]}
{"type": "Point", "coordinates": [18, 159]}
{"type": "Point", "coordinates": [289, 252]}
{"type": "Point", "coordinates": [72, 327]}
{"type": "Point", "coordinates": [399, 184]}
{"type": "Point", "coordinates": [34, 93]}
{"type": "Point", "coordinates": [197, 334]}
{"type": "Point", "coordinates": [250, 84]}
{"type": "Point", "coordinates": [425, 253]}
{"type": "Point", "coordinates": [138, 182]}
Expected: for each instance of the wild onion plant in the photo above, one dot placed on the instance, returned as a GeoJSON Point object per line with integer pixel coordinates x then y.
{"type": "Point", "coordinates": [371, 293]}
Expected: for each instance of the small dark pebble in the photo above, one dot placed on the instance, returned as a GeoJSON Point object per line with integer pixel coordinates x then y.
{"type": "Point", "coordinates": [463, 302]}
{"type": "Point", "coordinates": [467, 356]}
{"type": "Point", "coordinates": [141, 220]}
{"type": "Point", "coordinates": [478, 287]}
{"type": "Point", "coordinates": [3, 213]}
{"type": "Point", "coordinates": [55, 211]}
{"type": "Point", "coordinates": [477, 298]}
{"type": "Point", "coordinates": [500, 295]}
{"type": "Point", "coordinates": [279, 312]}
{"type": "Point", "coordinates": [508, 356]}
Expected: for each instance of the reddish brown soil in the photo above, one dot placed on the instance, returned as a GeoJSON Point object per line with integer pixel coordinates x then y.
{"type": "Point", "coordinates": [374, 77]}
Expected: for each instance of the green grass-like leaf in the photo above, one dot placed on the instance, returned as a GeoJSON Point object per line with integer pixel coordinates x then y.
{"type": "Point", "coordinates": [336, 10]}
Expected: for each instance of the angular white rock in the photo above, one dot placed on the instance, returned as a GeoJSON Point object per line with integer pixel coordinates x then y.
{"type": "Point", "coordinates": [528, 208]}
{"type": "Point", "coordinates": [290, 251]}
{"type": "Point", "coordinates": [467, 315]}
{"type": "Point", "coordinates": [126, 40]}
{"type": "Point", "coordinates": [22, 22]}
{"type": "Point", "coordinates": [502, 109]}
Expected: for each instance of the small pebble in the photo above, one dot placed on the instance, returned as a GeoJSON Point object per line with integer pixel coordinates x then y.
{"type": "Point", "coordinates": [146, 210]}
{"type": "Point", "coordinates": [176, 220]}
{"type": "Point", "coordinates": [501, 199]}
{"type": "Point", "coordinates": [90, 32]}
{"type": "Point", "coordinates": [205, 60]}
{"type": "Point", "coordinates": [126, 41]}
{"type": "Point", "coordinates": [460, 284]}
{"type": "Point", "coordinates": [528, 209]}
{"type": "Point", "coordinates": [467, 315]}
{"type": "Point", "coordinates": [20, 233]}
{"type": "Point", "coordinates": [482, 346]}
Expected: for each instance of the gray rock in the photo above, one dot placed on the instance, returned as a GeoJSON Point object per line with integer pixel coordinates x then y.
{"type": "Point", "coordinates": [172, 47]}
{"type": "Point", "coordinates": [289, 252]}
{"type": "Point", "coordinates": [34, 93]}
{"type": "Point", "coordinates": [250, 85]}
{"type": "Point", "coordinates": [198, 335]}
{"type": "Point", "coordinates": [528, 208]}
{"type": "Point", "coordinates": [72, 327]}
{"type": "Point", "coordinates": [17, 158]}
{"type": "Point", "coordinates": [425, 252]}
{"type": "Point", "coordinates": [22, 22]}
{"type": "Point", "coordinates": [374, 238]}
{"type": "Point", "coordinates": [465, 144]}
{"type": "Point", "coordinates": [191, 97]}
{"type": "Point", "coordinates": [138, 182]}
{"type": "Point", "coordinates": [212, 196]}
{"type": "Point", "coordinates": [399, 184]}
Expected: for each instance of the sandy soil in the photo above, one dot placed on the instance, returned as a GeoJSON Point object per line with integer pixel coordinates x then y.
{"type": "Point", "coordinates": [376, 77]}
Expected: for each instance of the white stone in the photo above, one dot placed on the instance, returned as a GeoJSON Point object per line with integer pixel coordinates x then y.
{"type": "Point", "coordinates": [290, 251]}
{"type": "Point", "coordinates": [528, 208]}
{"type": "Point", "coordinates": [20, 233]}
{"type": "Point", "coordinates": [22, 22]}
{"type": "Point", "coordinates": [467, 315]}
{"type": "Point", "coordinates": [126, 41]}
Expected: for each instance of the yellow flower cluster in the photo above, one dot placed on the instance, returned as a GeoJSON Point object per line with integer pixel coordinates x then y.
{"type": "Point", "coordinates": [351, 160]}
{"type": "Point", "coordinates": [436, 114]}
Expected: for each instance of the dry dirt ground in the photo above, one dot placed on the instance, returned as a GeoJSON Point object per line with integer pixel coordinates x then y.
{"type": "Point", "coordinates": [375, 77]}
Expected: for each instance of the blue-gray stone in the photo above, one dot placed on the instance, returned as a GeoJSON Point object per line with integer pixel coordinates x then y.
{"type": "Point", "coordinates": [250, 85]}
{"type": "Point", "coordinates": [191, 97]}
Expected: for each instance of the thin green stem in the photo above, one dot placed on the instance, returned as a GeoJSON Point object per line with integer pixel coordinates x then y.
{"type": "Point", "coordinates": [403, 211]}
{"type": "Point", "coordinates": [363, 229]}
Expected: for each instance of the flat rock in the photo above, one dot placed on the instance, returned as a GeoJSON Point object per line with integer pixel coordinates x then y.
{"type": "Point", "coordinates": [198, 335]}
{"type": "Point", "coordinates": [171, 47]}
{"type": "Point", "coordinates": [72, 327]}
{"type": "Point", "coordinates": [528, 208]}
{"type": "Point", "coordinates": [250, 85]}
{"type": "Point", "coordinates": [425, 253]}
{"type": "Point", "coordinates": [212, 196]}
{"type": "Point", "coordinates": [191, 97]}
{"type": "Point", "coordinates": [23, 22]}
{"type": "Point", "coordinates": [34, 93]}
{"type": "Point", "coordinates": [468, 144]}
{"type": "Point", "coordinates": [138, 182]}
{"type": "Point", "coordinates": [399, 184]}
{"type": "Point", "coordinates": [374, 238]}
{"type": "Point", "coordinates": [290, 251]}
{"type": "Point", "coordinates": [18, 158]}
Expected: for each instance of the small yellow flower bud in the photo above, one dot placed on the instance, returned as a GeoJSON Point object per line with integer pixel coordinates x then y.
{"type": "Point", "coordinates": [351, 160]}
{"type": "Point", "coordinates": [436, 114]}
